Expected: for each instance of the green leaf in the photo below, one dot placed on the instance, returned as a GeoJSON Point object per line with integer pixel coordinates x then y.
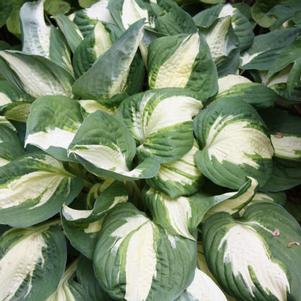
{"type": "Point", "coordinates": [286, 174]}
{"type": "Point", "coordinates": [180, 177]}
{"type": "Point", "coordinates": [234, 144]}
{"type": "Point", "coordinates": [105, 147]}
{"type": "Point", "coordinates": [136, 259]}
{"type": "Point", "coordinates": [10, 145]}
{"type": "Point", "coordinates": [5, 10]}
{"type": "Point", "coordinates": [41, 39]}
{"type": "Point", "coordinates": [13, 21]}
{"type": "Point", "coordinates": [266, 48]}
{"type": "Point", "coordinates": [86, 3]}
{"type": "Point", "coordinates": [207, 17]}
{"type": "Point", "coordinates": [82, 226]}
{"type": "Point", "coordinates": [260, 12]}
{"type": "Point", "coordinates": [34, 74]}
{"type": "Point", "coordinates": [32, 262]}
{"type": "Point", "coordinates": [55, 7]}
{"type": "Point", "coordinates": [70, 31]}
{"type": "Point", "coordinates": [275, 13]}
{"type": "Point", "coordinates": [161, 121]}
{"type": "Point", "coordinates": [108, 76]}
{"type": "Point", "coordinates": [290, 56]}
{"type": "Point", "coordinates": [259, 252]}
{"type": "Point", "coordinates": [10, 94]}
{"type": "Point", "coordinates": [182, 61]}
{"type": "Point", "coordinates": [171, 19]}
{"type": "Point", "coordinates": [17, 111]}
{"type": "Point", "coordinates": [33, 189]}
{"type": "Point", "coordinates": [52, 124]}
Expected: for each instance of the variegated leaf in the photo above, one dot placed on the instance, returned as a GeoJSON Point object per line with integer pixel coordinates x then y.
{"type": "Point", "coordinates": [105, 147]}
{"type": "Point", "coordinates": [33, 189]}
{"type": "Point", "coordinates": [260, 253]}
{"type": "Point", "coordinates": [237, 86]}
{"type": "Point", "coordinates": [136, 260]}
{"type": "Point", "coordinates": [161, 122]}
{"type": "Point", "coordinates": [91, 48]}
{"type": "Point", "coordinates": [182, 215]}
{"type": "Point", "coordinates": [82, 227]}
{"type": "Point", "coordinates": [266, 47]}
{"type": "Point", "coordinates": [180, 177]}
{"type": "Point", "coordinates": [182, 61]}
{"type": "Point", "coordinates": [234, 143]}
{"type": "Point", "coordinates": [202, 288]}
{"type": "Point", "coordinates": [79, 284]}
{"type": "Point", "coordinates": [40, 38]}
{"type": "Point", "coordinates": [86, 18]}
{"type": "Point", "coordinates": [179, 216]}
{"type": "Point", "coordinates": [127, 12]}
{"type": "Point", "coordinates": [109, 76]}
{"type": "Point", "coordinates": [52, 124]}
{"type": "Point", "coordinates": [285, 131]}
{"type": "Point", "coordinates": [32, 262]}
{"type": "Point", "coordinates": [36, 75]}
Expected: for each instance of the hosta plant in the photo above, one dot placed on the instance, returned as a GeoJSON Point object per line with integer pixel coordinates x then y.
{"type": "Point", "coordinates": [150, 150]}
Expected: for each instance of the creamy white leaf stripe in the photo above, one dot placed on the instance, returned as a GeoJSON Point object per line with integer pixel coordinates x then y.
{"type": "Point", "coordinates": [203, 288]}
{"type": "Point", "coordinates": [91, 106]}
{"type": "Point", "coordinates": [179, 213]}
{"type": "Point", "coordinates": [74, 214]}
{"type": "Point", "coordinates": [248, 255]}
{"type": "Point", "coordinates": [19, 264]}
{"type": "Point", "coordinates": [170, 111]}
{"type": "Point", "coordinates": [216, 39]}
{"type": "Point", "coordinates": [102, 156]}
{"type": "Point", "coordinates": [234, 204]}
{"type": "Point", "coordinates": [141, 268]}
{"type": "Point", "coordinates": [176, 70]}
{"type": "Point", "coordinates": [4, 99]}
{"type": "Point", "coordinates": [231, 80]}
{"type": "Point", "coordinates": [287, 146]}
{"type": "Point", "coordinates": [131, 223]}
{"type": "Point", "coordinates": [93, 227]}
{"type": "Point", "coordinates": [132, 12]}
{"type": "Point", "coordinates": [3, 162]}
{"type": "Point", "coordinates": [99, 11]}
{"type": "Point", "coordinates": [227, 10]}
{"type": "Point", "coordinates": [102, 39]}
{"type": "Point", "coordinates": [36, 34]}
{"type": "Point", "coordinates": [38, 184]}
{"type": "Point", "coordinates": [247, 58]}
{"type": "Point", "coordinates": [236, 141]}
{"type": "Point", "coordinates": [52, 137]}
{"type": "Point", "coordinates": [169, 172]}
